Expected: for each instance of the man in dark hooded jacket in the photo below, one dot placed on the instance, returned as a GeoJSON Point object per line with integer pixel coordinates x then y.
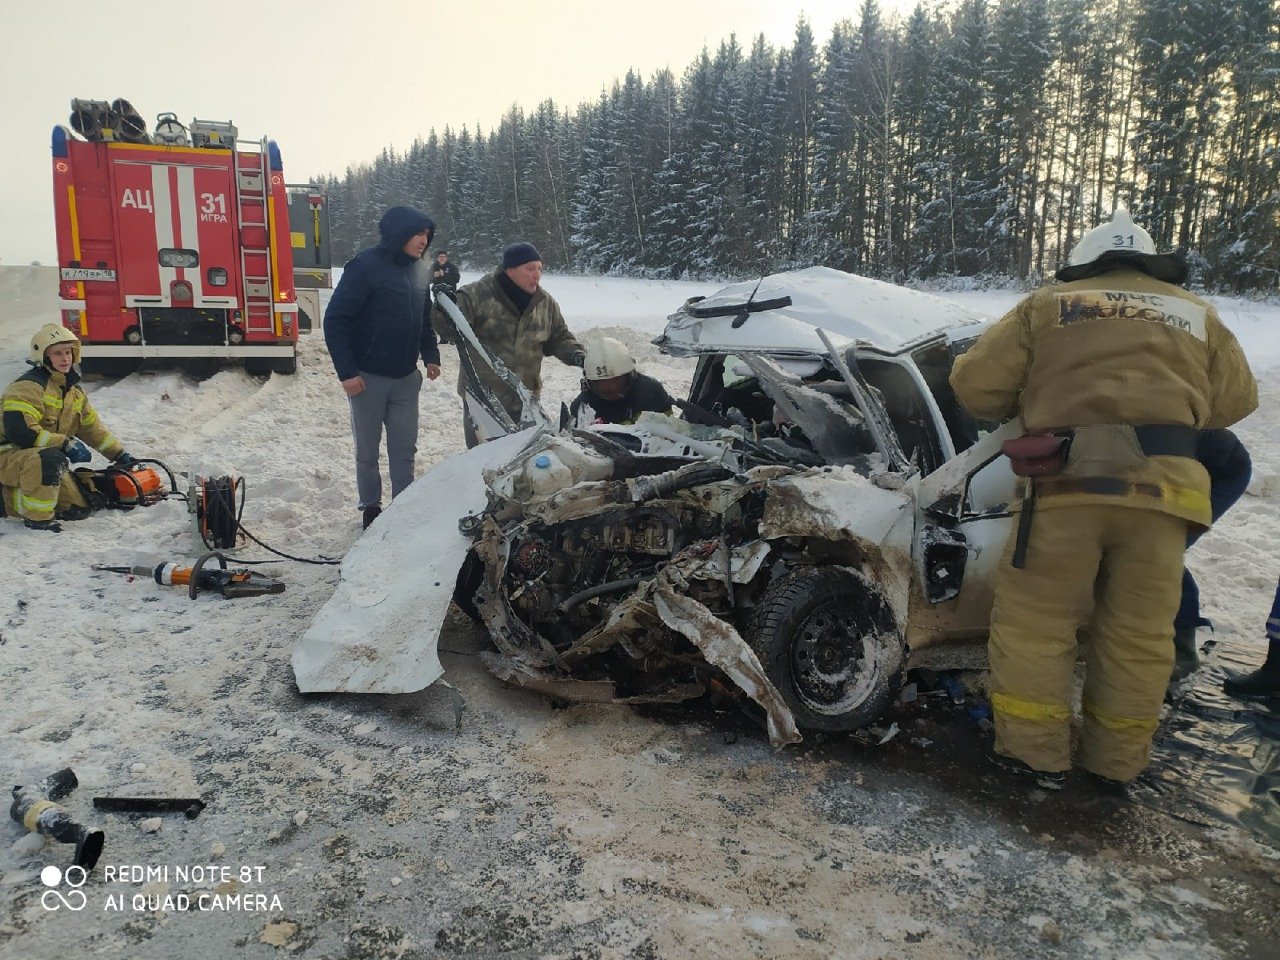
{"type": "Point", "coordinates": [377, 325]}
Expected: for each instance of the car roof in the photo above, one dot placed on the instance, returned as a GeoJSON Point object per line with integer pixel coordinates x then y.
{"type": "Point", "coordinates": [787, 309]}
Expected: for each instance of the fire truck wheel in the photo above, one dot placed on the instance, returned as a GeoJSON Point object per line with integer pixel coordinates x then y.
{"type": "Point", "coordinates": [261, 366]}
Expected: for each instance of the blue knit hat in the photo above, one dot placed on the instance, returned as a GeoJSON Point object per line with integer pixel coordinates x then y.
{"type": "Point", "coordinates": [518, 254]}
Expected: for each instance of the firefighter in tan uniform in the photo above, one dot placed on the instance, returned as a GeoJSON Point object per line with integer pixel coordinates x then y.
{"type": "Point", "coordinates": [46, 416]}
{"type": "Point", "coordinates": [1130, 367]}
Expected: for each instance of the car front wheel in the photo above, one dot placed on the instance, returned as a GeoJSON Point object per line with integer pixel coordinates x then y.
{"type": "Point", "coordinates": [829, 641]}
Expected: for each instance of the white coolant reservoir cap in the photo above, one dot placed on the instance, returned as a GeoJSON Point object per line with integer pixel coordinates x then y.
{"type": "Point", "coordinates": [542, 461]}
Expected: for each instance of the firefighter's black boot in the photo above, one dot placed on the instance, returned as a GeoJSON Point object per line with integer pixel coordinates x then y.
{"type": "Point", "coordinates": [1186, 657]}
{"type": "Point", "coordinates": [1261, 683]}
{"type": "Point", "coordinates": [75, 512]}
{"type": "Point", "coordinates": [371, 514]}
{"type": "Point", "coordinates": [52, 526]}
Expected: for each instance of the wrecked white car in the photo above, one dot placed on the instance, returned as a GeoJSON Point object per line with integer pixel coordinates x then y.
{"type": "Point", "coordinates": [820, 517]}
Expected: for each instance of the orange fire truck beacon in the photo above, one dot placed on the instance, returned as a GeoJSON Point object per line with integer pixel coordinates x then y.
{"type": "Point", "coordinates": [173, 244]}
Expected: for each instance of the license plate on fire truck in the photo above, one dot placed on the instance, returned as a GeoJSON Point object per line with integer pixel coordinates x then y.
{"type": "Point", "coordinates": [86, 273]}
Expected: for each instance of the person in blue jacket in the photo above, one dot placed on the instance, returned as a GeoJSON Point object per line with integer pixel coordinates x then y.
{"type": "Point", "coordinates": [377, 325]}
{"type": "Point", "coordinates": [1229, 466]}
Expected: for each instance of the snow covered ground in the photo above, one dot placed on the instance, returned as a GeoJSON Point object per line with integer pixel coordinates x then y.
{"type": "Point", "coordinates": [531, 830]}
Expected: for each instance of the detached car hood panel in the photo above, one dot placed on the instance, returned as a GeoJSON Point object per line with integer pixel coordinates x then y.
{"type": "Point", "coordinates": [379, 630]}
{"type": "Point", "coordinates": [851, 309]}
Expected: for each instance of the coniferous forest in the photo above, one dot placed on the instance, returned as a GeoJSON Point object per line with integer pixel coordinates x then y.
{"type": "Point", "coordinates": [979, 139]}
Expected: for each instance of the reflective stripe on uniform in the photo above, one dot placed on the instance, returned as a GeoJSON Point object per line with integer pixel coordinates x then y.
{"type": "Point", "coordinates": [43, 439]}
{"type": "Point", "coordinates": [1180, 498]}
{"type": "Point", "coordinates": [78, 403]}
{"type": "Point", "coordinates": [21, 406]}
{"type": "Point", "coordinates": [106, 443]}
{"type": "Point", "coordinates": [24, 502]}
{"type": "Point", "coordinates": [1030, 709]}
{"type": "Point", "coordinates": [90, 418]}
{"type": "Point", "coordinates": [50, 400]}
{"type": "Point", "coordinates": [1191, 501]}
{"type": "Point", "coordinates": [1113, 721]}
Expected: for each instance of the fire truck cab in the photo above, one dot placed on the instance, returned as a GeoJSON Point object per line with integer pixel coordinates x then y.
{"type": "Point", "coordinates": [174, 244]}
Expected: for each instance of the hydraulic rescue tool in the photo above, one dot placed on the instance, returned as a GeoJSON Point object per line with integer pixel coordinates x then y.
{"type": "Point", "coordinates": [34, 808]}
{"type": "Point", "coordinates": [230, 583]}
{"type": "Point", "coordinates": [123, 488]}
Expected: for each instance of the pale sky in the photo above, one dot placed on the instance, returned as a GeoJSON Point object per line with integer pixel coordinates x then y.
{"type": "Point", "coordinates": [333, 83]}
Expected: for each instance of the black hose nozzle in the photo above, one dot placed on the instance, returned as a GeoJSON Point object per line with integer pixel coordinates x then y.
{"type": "Point", "coordinates": [34, 808]}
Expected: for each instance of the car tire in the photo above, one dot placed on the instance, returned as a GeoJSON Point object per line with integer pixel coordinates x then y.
{"type": "Point", "coordinates": [828, 639]}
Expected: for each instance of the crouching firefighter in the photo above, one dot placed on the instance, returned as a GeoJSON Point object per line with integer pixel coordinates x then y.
{"type": "Point", "coordinates": [47, 420]}
{"type": "Point", "coordinates": [613, 391]}
{"type": "Point", "coordinates": [1114, 371]}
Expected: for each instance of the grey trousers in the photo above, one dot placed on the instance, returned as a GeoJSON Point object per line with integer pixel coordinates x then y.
{"type": "Point", "coordinates": [394, 402]}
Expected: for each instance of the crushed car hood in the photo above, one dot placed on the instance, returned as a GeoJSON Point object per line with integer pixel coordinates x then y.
{"type": "Point", "coordinates": [851, 309]}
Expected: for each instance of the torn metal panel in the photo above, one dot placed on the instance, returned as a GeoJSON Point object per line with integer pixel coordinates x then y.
{"type": "Point", "coordinates": [870, 402]}
{"type": "Point", "coordinates": [724, 647]}
{"type": "Point", "coordinates": [835, 505]}
{"type": "Point", "coordinates": [378, 632]}
{"type": "Point", "coordinates": [522, 674]}
{"type": "Point", "coordinates": [836, 429]}
{"type": "Point", "coordinates": [630, 624]}
{"type": "Point", "coordinates": [583, 691]}
{"type": "Point", "coordinates": [508, 631]}
{"type": "Point", "coordinates": [481, 402]}
{"type": "Point", "coordinates": [744, 560]}
{"type": "Point", "coordinates": [953, 476]}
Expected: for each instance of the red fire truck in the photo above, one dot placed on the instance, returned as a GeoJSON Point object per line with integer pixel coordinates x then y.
{"type": "Point", "coordinates": [173, 244]}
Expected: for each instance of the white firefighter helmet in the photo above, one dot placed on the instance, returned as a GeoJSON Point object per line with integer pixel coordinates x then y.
{"type": "Point", "coordinates": [607, 358]}
{"type": "Point", "coordinates": [1119, 234]}
{"type": "Point", "coordinates": [48, 336]}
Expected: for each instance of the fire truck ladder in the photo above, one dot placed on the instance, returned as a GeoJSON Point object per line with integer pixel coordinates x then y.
{"type": "Point", "coordinates": [253, 199]}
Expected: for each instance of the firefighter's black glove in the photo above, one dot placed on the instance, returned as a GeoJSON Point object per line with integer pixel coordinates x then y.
{"type": "Point", "coordinates": [125, 461]}
{"type": "Point", "coordinates": [76, 451]}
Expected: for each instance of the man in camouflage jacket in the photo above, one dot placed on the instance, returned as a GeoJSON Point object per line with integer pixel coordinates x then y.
{"type": "Point", "coordinates": [519, 322]}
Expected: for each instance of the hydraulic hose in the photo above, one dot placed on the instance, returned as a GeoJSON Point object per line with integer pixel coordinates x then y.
{"type": "Point", "coordinates": [599, 590]}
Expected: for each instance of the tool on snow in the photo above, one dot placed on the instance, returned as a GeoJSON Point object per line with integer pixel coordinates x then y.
{"type": "Point", "coordinates": [216, 505]}
{"type": "Point", "coordinates": [123, 488]}
{"type": "Point", "coordinates": [190, 806]}
{"type": "Point", "coordinates": [230, 583]}
{"type": "Point", "coordinates": [34, 808]}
